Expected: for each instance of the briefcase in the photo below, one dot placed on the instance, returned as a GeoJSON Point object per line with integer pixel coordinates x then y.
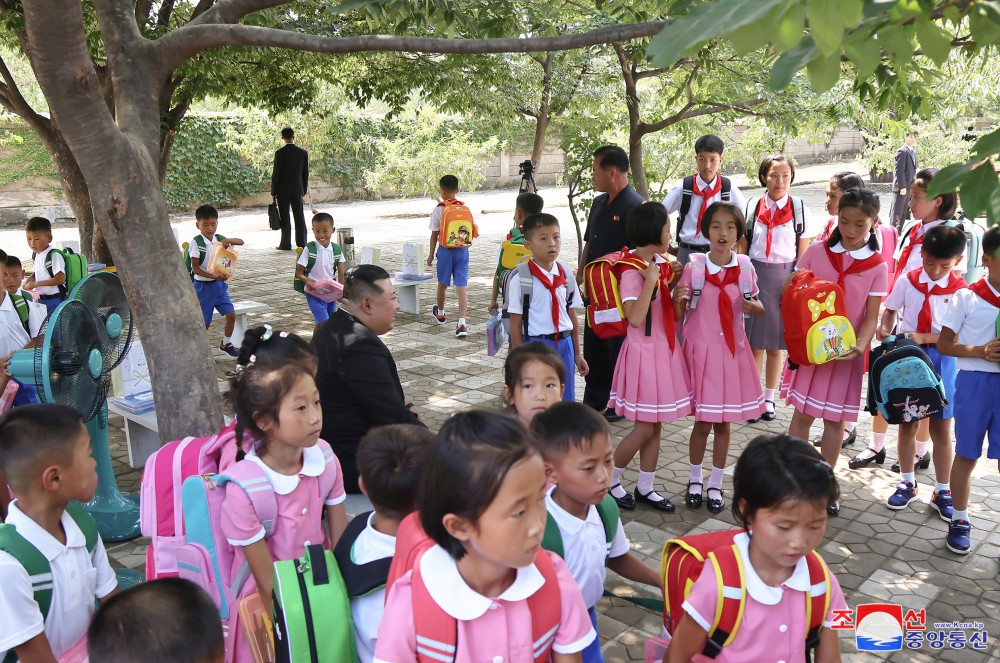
{"type": "Point", "coordinates": [273, 217]}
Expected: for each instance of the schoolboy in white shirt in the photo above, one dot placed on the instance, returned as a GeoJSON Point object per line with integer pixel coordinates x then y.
{"type": "Point", "coordinates": [49, 273]}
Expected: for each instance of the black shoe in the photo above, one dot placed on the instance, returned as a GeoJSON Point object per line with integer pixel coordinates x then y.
{"type": "Point", "coordinates": [769, 415]}
{"type": "Point", "coordinates": [662, 504]}
{"type": "Point", "coordinates": [716, 505]}
{"type": "Point", "coordinates": [922, 463]}
{"type": "Point", "coordinates": [864, 460]}
{"type": "Point", "coordinates": [693, 500]}
{"type": "Point", "coordinates": [282, 248]}
{"type": "Point", "coordinates": [849, 440]}
{"type": "Point", "coordinates": [833, 509]}
{"type": "Point", "coordinates": [625, 503]}
{"type": "Point", "coordinates": [611, 416]}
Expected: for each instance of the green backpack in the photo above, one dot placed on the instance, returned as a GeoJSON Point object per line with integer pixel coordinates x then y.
{"type": "Point", "coordinates": [35, 563]}
{"type": "Point", "coordinates": [202, 250]}
{"type": "Point", "coordinates": [76, 268]}
{"type": "Point", "coordinates": [607, 510]}
{"type": "Point", "coordinates": [20, 300]}
{"type": "Point", "coordinates": [299, 284]}
{"type": "Point", "coordinates": [312, 613]}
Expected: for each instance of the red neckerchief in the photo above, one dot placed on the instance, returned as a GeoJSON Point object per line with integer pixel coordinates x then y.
{"type": "Point", "coordinates": [551, 285]}
{"type": "Point", "coordinates": [732, 275]}
{"type": "Point", "coordinates": [955, 283]}
{"type": "Point", "coordinates": [775, 217]}
{"type": "Point", "coordinates": [705, 194]}
{"type": "Point", "coordinates": [856, 267]}
{"type": "Point", "coordinates": [982, 288]}
{"type": "Point", "coordinates": [914, 241]}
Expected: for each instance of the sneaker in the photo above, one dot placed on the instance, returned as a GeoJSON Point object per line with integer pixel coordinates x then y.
{"type": "Point", "coordinates": [440, 317]}
{"type": "Point", "coordinates": [229, 349]}
{"type": "Point", "coordinates": [941, 502]}
{"type": "Point", "coordinates": [959, 536]}
{"type": "Point", "coordinates": [461, 330]}
{"type": "Point", "coordinates": [905, 493]}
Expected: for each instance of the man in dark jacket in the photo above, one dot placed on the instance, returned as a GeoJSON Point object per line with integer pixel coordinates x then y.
{"type": "Point", "coordinates": [289, 182]}
{"type": "Point", "coordinates": [905, 171]}
{"type": "Point", "coordinates": [359, 387]}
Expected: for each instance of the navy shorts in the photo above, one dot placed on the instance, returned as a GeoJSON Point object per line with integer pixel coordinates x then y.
{"type": "Point", "coordinates": [977, 414]}
{"type": "Point", "coordinates": [213, 296]}
{"type": "Point", "coordinates": [321, 310]}
{"type": "Point", "coordinates": [453, 263]}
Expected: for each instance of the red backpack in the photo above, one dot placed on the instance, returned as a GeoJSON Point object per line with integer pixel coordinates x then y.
{"type": "Point", "coordinates": [682, 562]}
{"type": "Point", "coordinates": [605, 313]}
{"type": "Point", "coordinates": [437, 631]}
{"type": "Point", "coordinates": [815, 318]}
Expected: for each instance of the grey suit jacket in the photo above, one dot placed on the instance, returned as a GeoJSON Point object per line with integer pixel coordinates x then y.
{"type": "Point", "coordinates": [906, 168]}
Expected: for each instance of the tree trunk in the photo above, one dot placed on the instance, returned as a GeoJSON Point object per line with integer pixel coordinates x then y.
{"type": "Point", "coordinates": [635, 134]}
{"type": "Point", "coordinates": [541, 126]}
{"type": "Point", "coordinates": [639, 182]}
{"type": "Point", "coordinates": [542, 119]}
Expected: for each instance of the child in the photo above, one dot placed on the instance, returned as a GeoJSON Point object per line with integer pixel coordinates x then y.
{"type": "Point", "coordinates": [832, 391]}
{"type": "Point", "coordinates": [724, 379]}
{"type": "Point", "coordinates": [391, 461]}
{"type": "Point", "coordinates": [482, 503]}
{"type": "Point", "coordinates": [779, 228]}
{"type": "Point", "coordinates": [45, 453]}
{"type": "Point", "coordinates": [692, 196]}
{"type": "Point", "coordinates": [13, 274]}
{"type": "Point", "coordinates": [929, 212]}
{"type": "Point", "coordinates": [924, 296]}
{"type": "Point", "coordinates": [550, 315]}
{"type": "Point", "coordinates": [781, 491]}
{"type": "Point", "coordinates": [575, 442]}
{"type": "Point", "coordinates": [317, 261]}
{"type": "Point", "coordinates": [20, 320]}
{"type": "Point", "coordinates": [969, 332]}
{"type": "Point", "coordinates": [49, 267]}
{"type": "Point", "coordinates": [526, 205]}
{"type": "Point", "coordinates": [452, 263]}
{"type": "Point", "coordinates": [277, 403]}
{"type": "Point", "coordinates": [212, 291]}
{"type": "Point", "coordinates": [650, 385]}
{"type": "Point", "coordinates": [164, 621]}
{"type": "Point", "coordinates": [533, 377]}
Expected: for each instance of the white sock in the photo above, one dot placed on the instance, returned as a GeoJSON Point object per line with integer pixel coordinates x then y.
{"type": "Point", "coordinates": [849, 427]}
{"type": "Point", "coordinates": [616, 478]}
{"type": "Point", "coordinates": [960, 515]}
{"type": "Point", "coordinates": [942, 486]}
{"type": "Point", "coordinates": [769, 394]}
{"type": "Point", "coordinates": [645, 485]}
{"type": "Point", "coordinates": [878, 442]}
{"type": "Point", "coordinates": [715, 480]}
{"type": "Point", "coordinates": [226, 340]}
{"type": "Point", "coordinates": [695, 475]}
{"type": "Point", "coordinates": [461, 321]}
{"type": "Point", "coordinates": [909, 476]}
{"type": "Point", "coordinates": [922, 447]}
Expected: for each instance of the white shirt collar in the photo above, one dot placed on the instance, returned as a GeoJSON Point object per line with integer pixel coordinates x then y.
{"type": "Point", "coordinates": [940, 283]}
{"type": "Point", "coordinates": [566, 520]}
{"type": "Point", "coordinates": [313, 465]}
{"type": "Point", "coordinates": [328, 247]}
{"type": "Point", "coordinates": [377, 539]}
{"type": "Point", "coordinates": [780, 203]}
{"type": "Point", "coordinates": [702, 184]}
{"type": "Point", "coordinates": [924, 227]}
{"type": "Point", "coordinates": [46, 544]}
{"type": "Point", "coordinates": [551, 272]}
{"type": "Point", "coordinates": [760, 590]}
{"type": "Point", "coordinates": [858, 254]}
{"type": "Point", "coordinates": [449, 590]}
{"type": "Point", "coordinates": [714, 269]}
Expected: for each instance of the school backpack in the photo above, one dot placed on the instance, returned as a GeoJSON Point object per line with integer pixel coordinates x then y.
{"type": "Point", "coordinates": [360, 579]}
{"type": "Point", "coordinates": [698, 275]}
{"type": "Point", "coordinates": [161, 508]}
{"type": "Point", "coordinates": [202, 252]}
{"type": "Point", "coordinates": [683, 561]}
{"type": "Point", "coordinates": [37, 565]}
{"type": "Point", "coordinates": [22, 301]}
{"type": "Point", "coordinates": [512, 252]}
{"type": "Point", "coordinates": [300, 285]}
{"type": "Point", "coordinates": [522, 272]}
{"type": "Point", "coordinates": [687, 190]}
{"type": "Point", "coordinates": [76, 267]}
{"type": "Point", "coordinates": [816, 326]}
{"type": "Point", "coordinates": [605, 313]}
{"type": "Point", "coordinates": [310, 600]}
{"type": "Point", "coordinates": [973, 243]}
{"type": "Point", "coordinates": [609, 513]}
{"type": "Point", "coordinates": [798, 219]}
{"type": "Point", "coordinates": [457, 227]}
{"type": "Point", "coordinates": [902, 384]}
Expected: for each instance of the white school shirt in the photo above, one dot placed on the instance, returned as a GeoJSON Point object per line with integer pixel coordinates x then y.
{"type": "Point", "coordinates": [783, 236]}
{"type": "Point", "coordinates": [193, 251]}
{"type": "Point", "coordinates": [863, 253]}
{"type": "Point", "coordinates": [659, 260]}
{"type": "Point", "coordinates": [77, 578]}
{"type": "Point", "coordinates": [974, 322]}
{"type": "Point", "coordinates": [540, 307]}
{"type": "Point", "coordinates": [366, 611]}
{"type": "Point", "coordinates": [324, 267]}
{"type": "Point", "coordinates": [916, 259]}
{"type": "Point", "coordinates": [911, 301]}
{"type": "Point", "coordinates": [691, 228]}
{"type": "Point", "coordinates": [42, 274]}
{"type": "Point", "coordinates": [585, 547]}
{"type": "Point", "coordinates": [12, 334]}
{"type": "Point", "coordinates": [435, 224]}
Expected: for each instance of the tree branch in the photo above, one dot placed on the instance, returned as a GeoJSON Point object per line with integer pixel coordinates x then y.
{"type": "Point", "coordinates": [16, 102]}
{"type": "Point", "coordinates": [231, 11]}
{"type": "Point", "coordinates": [203, 6]}
{"type": "Point", "coordinates": [686, 113]}
{"type": "Point", "coordinates": [166, 11]}
{"type": "Point", "coordinates": [142, 11]}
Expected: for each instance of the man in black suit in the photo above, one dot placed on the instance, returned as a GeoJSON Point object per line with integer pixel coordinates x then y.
{"type": "Point", "coordinates": [359, 387]}
{"type": "Point", "coordinates": [289, 182]}
{"type": "Point", "coordinates": [905, 171]}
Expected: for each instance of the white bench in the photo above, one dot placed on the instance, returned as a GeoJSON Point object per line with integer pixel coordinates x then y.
{"type": "Point", "coordinates": [142, 434]}
{"type": "Point", "coordinates": [242, 309]}
{"type": "Point", "coordinates": [409, 294]}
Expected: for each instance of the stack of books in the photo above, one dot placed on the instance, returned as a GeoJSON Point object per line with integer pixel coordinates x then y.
{"type": "Point", "coordinates": [403, 276]}
{"type": "Point", "coordinates": [136, 403]}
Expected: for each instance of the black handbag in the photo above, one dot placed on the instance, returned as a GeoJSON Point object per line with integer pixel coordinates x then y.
{"type": "Point", "coordinates": [273, 217]}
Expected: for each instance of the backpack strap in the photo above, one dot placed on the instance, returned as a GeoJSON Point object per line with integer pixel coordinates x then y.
{"type": "Point", "coordinates": [34, 562]}
{"type": "Point", "coordinates": [817, 600]}
{"type": "Point", "coordinates": [311, 260]}
{"type": "Point", "coordinates": [200, 241]}
{"type": "Point", "coordinates": [727, 189]}
{"type": "Point", "coordinates": [607, 509]}
{"type": "Point", "coordinates": [436, 631]}
{"type": "Point", "coordinates": [731, 598]}
{"type": "Point", "coordinates": [85, 522]}
{"type": "Point", "coordinates": [545, 606]}
{"type": "Point", "coordinates": [751, 215]}
{"type": "Point", "coordinates": [527, 283]}
{"type": "Point", "coordinates": [20, 301]}
{"type": "Point", "coordinates": [249, 477]}
{"type": "Point", "coordinates": [798, 220]}
{"type": "Point", "coordinates": [360, 579]}
{"type": "Point", "coordinates": [746, 275]}
{"type": "Point", "coordinates": [698, 276]}
{"type": "Point", "coordinates": [552, 538]}
{"type": "Point", "coordinates": [687, 188]}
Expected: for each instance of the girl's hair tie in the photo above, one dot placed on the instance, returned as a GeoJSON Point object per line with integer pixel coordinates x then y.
{"type": "Point", "coordinates": [252, 359]}
{"type": "Point", "coordinates": [266, 336]}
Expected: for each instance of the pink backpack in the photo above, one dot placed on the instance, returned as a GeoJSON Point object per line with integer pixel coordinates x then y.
{"type": "Point", "coordinates": [161, 513]}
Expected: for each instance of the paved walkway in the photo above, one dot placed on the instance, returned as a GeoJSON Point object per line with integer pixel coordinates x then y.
{"type": "Point", "coordinates": [878, 555]}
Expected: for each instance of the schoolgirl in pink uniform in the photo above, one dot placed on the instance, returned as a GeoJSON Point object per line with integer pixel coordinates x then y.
{"type": "Point", "coordinates": [278, 425]}
{"type": "Point", "coordinates": [832, 391]}
{"type": "Point", "coordinates": [482, 503]}
{"type": "Point", "coordinates": [724, 378]}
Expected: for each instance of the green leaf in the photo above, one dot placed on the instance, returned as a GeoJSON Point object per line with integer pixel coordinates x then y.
{"type": "Point", "coordinates": [897, 40]}
{"type": "Point", "coordinates": [702, 24]}
{"type": "Point", "coordinates": [865, 53]}
{"type": "Point", "coordinates": [823, 72]}
{"type": "Point", "coordinates": [934, 40]}
{"type": "Point", "coordinates": [826, 25]}
{"type": "Point", "coordinates": [791, 28]}
{"type": "Point", "coordinates": [748, 40]}
{"type": "Point", "coordinates": [987, 145]}
{"type": "Point", "coordinates": [850, 12]}
{"type": "Point", "coordinates": [993, 211]}
{"type": "Point", "coordinates": [949, 178]}
{"type": "Point", "coordinates": [792, 61]}
{"type": "Point", "coordinates": [978, 189]}
{"type": "Point", "coordinates": [984, 22]}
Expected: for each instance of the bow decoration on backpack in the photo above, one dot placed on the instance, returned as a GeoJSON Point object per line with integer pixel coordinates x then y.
{"type": "Point", "coordinates": [816, 307]}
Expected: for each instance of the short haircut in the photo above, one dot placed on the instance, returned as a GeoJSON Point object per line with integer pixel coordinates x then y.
{"type": "Point", "coordinates": [732, 208]}
{"type": "Point", "coordinates": [644, 223]}
{"type": "Point", "coordinates": [845, 180]}
{"type": "Point", "coordinates": [526, 353]}
{"type": "Point", "coordinates": [567, 424]}
{"type": "Point", "coordinates": [391, 460]}
{"type": "Point", "coordinates": [448, 183]}
{"type": "Point", "coordinates": [288, 133]}
{"type": "Point", "coordinates": [538, 221]}
{"type": "Point", "coordinates": [322, 217]}
{"type": "Point", "coordinates": [38, 224]}
{"type": "Point", "coordinates": [709, 143]}
{"type": "Point", "coordinates": [991, 241]}
{"type": "Point", "coordinates": [911, 132]}
{"type": "Point", "coordinates": [868, 202]}
{"type": "Point", "coordinates": [361, 281]}
{"type": "Point", "coordinates": [469, 460]}
{"type": "Point", "coordinates": [949, 201]}
{"type": "Point", "coordinates": [770, 160]}
{"type": "Point", "coordinates": [35, 436]}
{"type": "Point", "coordinates": [529, 203]}
{"type": "Point", "coordinates": [12, 261]}
{"type": "Point", "coordinates": [206, 212]}
{"type": "Point", "coordinates": [169, 620]}
{"type": "Point", "coordinates": [944, 242]}
{"type": "Point", "coordinates": [611, 156]}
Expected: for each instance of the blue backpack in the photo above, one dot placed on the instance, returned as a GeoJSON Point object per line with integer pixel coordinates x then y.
{"type": "Point", "coordinates": [902, 383]}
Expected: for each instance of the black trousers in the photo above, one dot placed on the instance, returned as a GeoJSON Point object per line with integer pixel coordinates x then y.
{"type": "Point", "coordinates": [295, 202]}
{"type": "Point", "coordinates": [601, 355]}
{"type": "Point", "coordinates": [899, 212]}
